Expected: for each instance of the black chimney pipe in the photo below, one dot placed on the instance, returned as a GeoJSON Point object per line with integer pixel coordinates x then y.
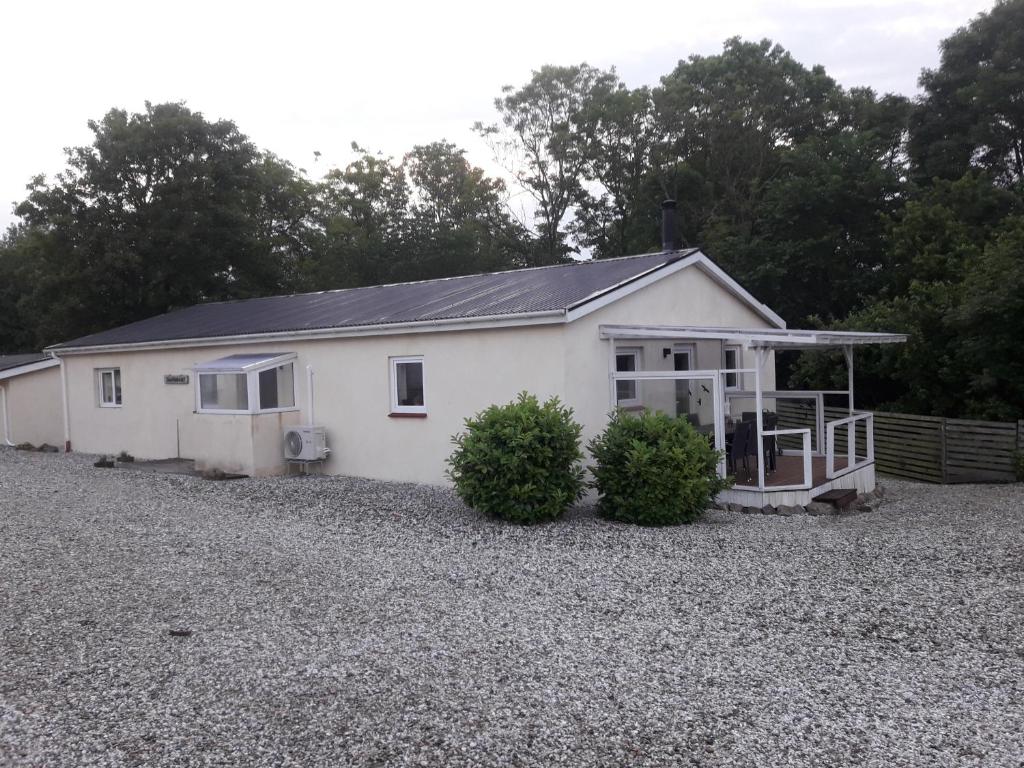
{"type": "Point", "coordinates": [669, 231]}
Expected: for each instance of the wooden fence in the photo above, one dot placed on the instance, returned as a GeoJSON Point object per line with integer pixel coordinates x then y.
{"type": "Point", "coordinates": [928, 448]}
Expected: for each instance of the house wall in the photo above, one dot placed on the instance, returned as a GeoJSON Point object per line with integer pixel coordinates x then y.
{"type": "Point", "coordinates": [465, 371]}
{"type": "Point", "coordinates": [34, 407]}
{"type": "Point", "coordinates": [688, 297]}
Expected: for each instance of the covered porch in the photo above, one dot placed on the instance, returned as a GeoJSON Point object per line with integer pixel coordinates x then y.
{"type": "Point", "coordinates": [723, 381]}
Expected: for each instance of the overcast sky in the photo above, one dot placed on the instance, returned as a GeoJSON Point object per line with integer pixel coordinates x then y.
{"type": "Point", "coordinates": [300, 77]}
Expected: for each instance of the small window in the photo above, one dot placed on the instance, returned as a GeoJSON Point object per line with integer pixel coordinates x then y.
{"type": "Point", "coordinates": [223, 392]}
{"type": "Point", "coordinates": [247, 383]}
{"type": "Point", "coordinates": [627, 391]}
{"type": "Point", "coordinates": [407, 387]}
{"type": "Point", "coordinates": [277, 387]}
{"type": "Point", "coordinates": [109, 381]}
{"type": "Point", "coordinates": [732, 360]}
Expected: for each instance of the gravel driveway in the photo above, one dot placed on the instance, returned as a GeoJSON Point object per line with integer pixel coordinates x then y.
{"type": "Point", "coordinates": [345, 622]}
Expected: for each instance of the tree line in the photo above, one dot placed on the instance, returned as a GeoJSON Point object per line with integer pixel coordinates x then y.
{"type": "Point", "coordinates": [837, 207]}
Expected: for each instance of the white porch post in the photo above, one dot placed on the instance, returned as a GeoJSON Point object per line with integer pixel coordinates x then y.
{"type": "Point", "coordinates": [851, 430]}
{"type": "Point", "coordinates": [611, 371]}
{"type": "Point", "coordinates": [848, 354]}
{"type": "Point", "coordinates": [718, 385]}
{"type": "Point", "coordinates": [759, 358]}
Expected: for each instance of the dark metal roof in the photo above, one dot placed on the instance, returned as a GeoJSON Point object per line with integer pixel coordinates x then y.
{"type": "Point", "coordinates": [516, 292]}
{"type": "Point", "coordinates": [14, 361]}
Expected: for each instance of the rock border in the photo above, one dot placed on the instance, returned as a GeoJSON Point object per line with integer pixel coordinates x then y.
{"type": "Point", "coordinates": [864, 503]}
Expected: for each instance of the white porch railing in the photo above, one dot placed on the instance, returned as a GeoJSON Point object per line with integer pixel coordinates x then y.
{"type": "Point", "coordinates": [816, 396]}
{"type": "Point", "coordinates": [806, 455]}
{"type": "Point", "coordinates": [852, 463]}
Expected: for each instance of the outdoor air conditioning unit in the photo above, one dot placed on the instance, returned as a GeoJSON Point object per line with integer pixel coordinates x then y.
{"type": "Point", "coordinates": [305, 444]}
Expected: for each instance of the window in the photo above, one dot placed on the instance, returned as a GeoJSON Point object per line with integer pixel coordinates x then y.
{"type": "Point", "coordinates": [223, 392]}
{"type": "Point", "coordinates": [684, 358]}
{"type": "Point", "coordinates": [109, 381]}
{"type": "Point", "coordinates": [627, 391]}
{"type": "Point", "coordinates": [732, 360]}
{"type": "Point", "coordinates": [407, 388]}
{"type": "Point", "coordinates": [262, 383]}
{"type": "Point", "coordinates": [277, 387]}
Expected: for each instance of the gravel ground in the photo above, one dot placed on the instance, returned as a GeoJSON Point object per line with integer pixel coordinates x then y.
{"type": "Point", "coordinates": [347, 622]}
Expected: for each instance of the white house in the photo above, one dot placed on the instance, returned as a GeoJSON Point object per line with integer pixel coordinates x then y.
{"type": "Point", "coordinates": [392, 371]}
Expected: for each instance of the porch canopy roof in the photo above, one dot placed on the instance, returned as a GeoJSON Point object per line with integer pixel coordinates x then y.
{"type": "Point", "coordinates": [244, 363]}
{"type": "Point", "coordinates": [764, 338]}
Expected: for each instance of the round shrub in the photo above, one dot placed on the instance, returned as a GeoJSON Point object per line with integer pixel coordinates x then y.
{"type": "Point", "coordinates": [519, 462]}
{"type": "Point", "coordinates": [653, 469]}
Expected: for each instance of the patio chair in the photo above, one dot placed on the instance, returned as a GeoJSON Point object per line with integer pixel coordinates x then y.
{"type": "Point", "coordinates": [742, 446]}
{"type": "Point", "coordinates": [771, 443]}
{"type": "Point", "coordinates": [769, 421]}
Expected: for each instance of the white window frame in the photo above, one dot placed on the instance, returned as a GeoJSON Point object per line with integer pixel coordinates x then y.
{"type": "Point", "coordinates": [637, 354]}
{"type": "Point", "coordinates": [115, 379]}
{"type": "Point", "coordinates": [252, 387]}
{"type": "Point", "coordinates": [690, 349]}
{"type": "Point", "coordinates": [393, 363]}
{"type": "Point", "coordinates": [738, 349]}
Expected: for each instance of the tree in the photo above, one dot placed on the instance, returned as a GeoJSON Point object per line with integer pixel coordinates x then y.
{"type": "Point", "coordinates": [728, 117]}
{"type": "Point", "coordinates": [539, 142]}
{"type": "Point", "coordinates": [816, 244]}
{"type": "Point", "coordinates": [617, 214]}
{"type": "Point", "coordinates": [164, 209]}
{"type": "Point", "coordinates": [958, 279]}
{"type": "Point", "coordinates": [430, 215]}
{"type": "Point", "coordinates": [991, 324]}
{"type": "Point", "coordinates": [972, 113]}
{"type": "Point", "coordinates": [362, 215]}
{"type": "Point", "coordinates": [20, 317]}
{"type": "Point", "coordinates": [784, 177]}
{"type": "Point", "coordinates": [460, 220]}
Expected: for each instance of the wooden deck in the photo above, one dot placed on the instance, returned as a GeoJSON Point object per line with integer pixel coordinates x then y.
{"type": "Point", "coordinates": [789, 470]}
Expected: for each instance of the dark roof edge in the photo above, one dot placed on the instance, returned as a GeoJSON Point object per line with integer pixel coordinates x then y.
{"type": "Point", "coordinates": [678, 256]}
{"type": "Point", "coordinates": [10, 372]}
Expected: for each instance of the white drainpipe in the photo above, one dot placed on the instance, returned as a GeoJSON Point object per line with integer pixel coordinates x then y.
{"type": "Point", "coordinates": [7, 419]}
{"type": "Point", "coordinates": [64, 404]}
{"type": "Point", "coordinates": [309, 394]}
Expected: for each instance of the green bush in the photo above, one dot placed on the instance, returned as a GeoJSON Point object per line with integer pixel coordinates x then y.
{"type": "Point", "coordinates": [519, 462]}
{"type": "Point", "coordinates": [653, 469]}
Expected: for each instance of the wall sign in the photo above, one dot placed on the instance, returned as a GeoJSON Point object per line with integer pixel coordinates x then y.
{"type": "Point", "coordinates": [176, 378]}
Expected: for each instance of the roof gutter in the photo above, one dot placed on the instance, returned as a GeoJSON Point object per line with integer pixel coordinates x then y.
{"type": "Point", "coordinates": [546, 317]}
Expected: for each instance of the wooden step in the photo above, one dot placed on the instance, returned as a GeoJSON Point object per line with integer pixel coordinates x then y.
{"type": "Point", "coordinates": [838, 497]}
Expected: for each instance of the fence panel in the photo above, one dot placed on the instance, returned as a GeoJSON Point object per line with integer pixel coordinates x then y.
{"type": "Point", "coordinates": [926, 448]}
{"type": "Point", "coordinates": [980, 451]}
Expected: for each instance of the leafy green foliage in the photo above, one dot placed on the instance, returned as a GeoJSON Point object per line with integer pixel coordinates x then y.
{"type": "Point", "coordinates": [163, 210]}
{"type": "Point", "coordinates": [519, 462]}
{"type": "Point", "coordinates": [540, 143]}
{"type": "Point", "coordinates": [652, 469]}
{"type": "Point", "coordinates": [956, 286]}
{"type": "Point", "coordinates": [167, 209]}
{"type": "Point", "coordinates": [972, 113]}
